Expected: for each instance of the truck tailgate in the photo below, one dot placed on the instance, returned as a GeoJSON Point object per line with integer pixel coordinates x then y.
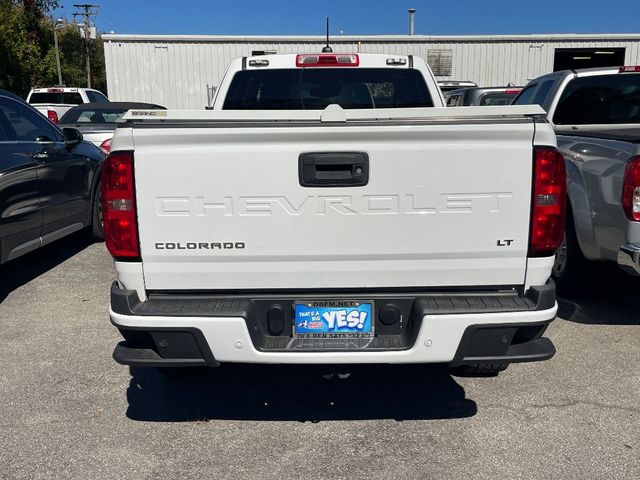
{"type": "Point", "coordinates": [223, 208]}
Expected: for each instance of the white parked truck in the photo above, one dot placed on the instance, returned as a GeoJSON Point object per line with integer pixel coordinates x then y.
{"type": "Point", "coordinates": [54, 102]}
{"type": "Point", "coordinates": [331, 210]}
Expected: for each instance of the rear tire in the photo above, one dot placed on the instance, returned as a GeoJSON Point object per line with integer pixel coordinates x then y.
{"type": "Point", "coordinates": [97, 230]}
{"type": "Point", "coordinates": [480, 370]}
{"type": "Point", "coordinates": [570, 269]}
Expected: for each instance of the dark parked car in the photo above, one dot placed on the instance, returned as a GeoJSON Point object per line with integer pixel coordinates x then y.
{"type": "Point", "coordinates": [98, 121]}
{"type": "Point", "coordinates": [481, 96]}
{"type": "Point", "coordinates": [48, 180]}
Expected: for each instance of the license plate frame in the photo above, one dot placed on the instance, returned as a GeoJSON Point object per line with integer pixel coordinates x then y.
{"type": "Point", "coordinates": [343, 326]}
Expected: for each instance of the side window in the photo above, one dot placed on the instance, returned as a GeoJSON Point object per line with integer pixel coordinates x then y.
{"type": "Point", "coordinates": [96, 97]}
{"type": "Point", "coordinates": [543, 92]}
{"type": "Point", "coordinates": [5, 131]}
{"type": "Point", "coordinates": [452, 101]}
{"type": "Point", "coordinates": [85, 117]}
{"type": "Point", "coordinates": [526, 95]}
{"type": "Point", "coordinates": [100, 98]}
{"type": "Point", "coordinates": [27, 124]}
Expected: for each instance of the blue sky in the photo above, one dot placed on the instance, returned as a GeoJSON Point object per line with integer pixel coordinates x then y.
{"type": "Point", "coordinates": [280, 17]}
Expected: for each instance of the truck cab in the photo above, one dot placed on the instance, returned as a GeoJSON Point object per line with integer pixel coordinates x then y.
{"type": "Point", "coordinates": [54, 102]}
{"type": "Point", "coordinates": [314, 81]}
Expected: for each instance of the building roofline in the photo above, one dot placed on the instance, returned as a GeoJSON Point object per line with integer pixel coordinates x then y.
{"type": "Point", "coordinates": [542, 37]}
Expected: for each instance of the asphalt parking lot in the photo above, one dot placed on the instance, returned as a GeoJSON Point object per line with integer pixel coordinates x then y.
{"type": "Point", "coordinates": [69, 411]}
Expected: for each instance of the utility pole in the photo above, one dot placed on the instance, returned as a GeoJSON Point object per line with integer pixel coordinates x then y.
{"type": "Point", "coordinates": [87, 11]}
{"type": "Point", "coordinates": [59, 24]}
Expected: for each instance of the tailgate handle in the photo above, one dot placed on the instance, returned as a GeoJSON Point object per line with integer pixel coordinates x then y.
{"type": "Point", "coordinates": [333, 169]}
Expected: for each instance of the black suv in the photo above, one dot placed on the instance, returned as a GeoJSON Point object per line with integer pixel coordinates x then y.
{"type": "Point", "coordinates": [48, 180]}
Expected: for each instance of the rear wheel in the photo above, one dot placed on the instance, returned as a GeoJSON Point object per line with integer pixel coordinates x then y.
{"type": "Point", "coordinates": [570, 267]}
{"type": "Point", "coordinates": [97, 230]}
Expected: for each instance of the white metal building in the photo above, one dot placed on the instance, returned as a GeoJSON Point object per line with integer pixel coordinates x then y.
{"type": "Point", "coordinates": [176, 70]}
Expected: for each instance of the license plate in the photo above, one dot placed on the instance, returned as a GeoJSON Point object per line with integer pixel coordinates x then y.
{"type": "Point", "coordinates": [333, 319]}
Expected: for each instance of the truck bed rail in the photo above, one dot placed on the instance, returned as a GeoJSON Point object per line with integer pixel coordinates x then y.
{"type": "Point", "coordinates": [335, 114]}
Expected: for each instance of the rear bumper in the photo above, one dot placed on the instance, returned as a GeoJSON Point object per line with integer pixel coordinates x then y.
{"type": "Point", "coordinates": [440, 329]}
{"type": "Point", "coordinates": [629, 258]}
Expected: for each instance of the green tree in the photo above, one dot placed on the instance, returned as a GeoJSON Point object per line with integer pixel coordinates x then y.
{"type": "Point", "coordinates": [19, 52]}
{"type": "Point", "coordinates": [27, 52]}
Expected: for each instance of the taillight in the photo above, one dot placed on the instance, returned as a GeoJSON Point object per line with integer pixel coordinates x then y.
{"type": "Point", "coordinates": [328, 60]}
{"type": "Point", "coordinates": [631, 189]}
{"type": "Point", "coordinates": [512, 91]}
{"type": "Point", "coordinates": [106, 145]}
{"type": "Point", "coordinates": [629, 69]}
{"type": "Point", "coordinates": [119, 206]}
{"type": "Point", "coordinates": [548, 202]}
{"type": "Point", "coordinates": [52, 115]}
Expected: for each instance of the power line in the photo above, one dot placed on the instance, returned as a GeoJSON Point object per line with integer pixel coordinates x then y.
{"type": "Point", "coordinates": [110, 21]}
{"type": "Point", "coordinates": [87, 11]}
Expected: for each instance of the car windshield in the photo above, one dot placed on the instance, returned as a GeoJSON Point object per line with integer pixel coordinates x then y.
{"type": "Point", "coordinates": [94, 115]}
{"type": "Point", "coordinates": [316, 88]}
{"type": "Point", "coordinates": [68, 98]}
{"type": "Point", "coordinates": [497, 98]}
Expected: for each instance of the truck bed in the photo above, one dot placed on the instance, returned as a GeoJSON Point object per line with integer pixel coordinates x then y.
{"type": "Point", "coordinates": [629, 134]}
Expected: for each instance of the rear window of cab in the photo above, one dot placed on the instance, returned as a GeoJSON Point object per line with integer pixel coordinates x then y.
{"type": "Point", "coordinates": [316, 88]}
{"type": "Point", "coordinates": [600, 100]}
{"type": "Point", "coordinates": [69, 98]}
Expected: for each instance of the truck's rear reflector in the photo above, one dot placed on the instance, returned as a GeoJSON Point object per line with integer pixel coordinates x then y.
{"type": "Point", "coordinates": [53, 116]}
{"type": "Point", "coordinates": [630, 69]}
{"type": "Point", "coordinates": [119, 207]}
{"type": "Point", "coordinates": [548, 202]}
{"type": "Point", "coordinates": [631, 189]}
{"type": "Point", "coordinates": [328, 60]}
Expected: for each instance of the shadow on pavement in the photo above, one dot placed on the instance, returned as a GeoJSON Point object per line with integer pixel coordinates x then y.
{"type": "Point", "coordinates": [296, 393]}
{"type": "Point", "coordinates": [609, 297]}
{"type": "Point", "coordinates": [18, 272]}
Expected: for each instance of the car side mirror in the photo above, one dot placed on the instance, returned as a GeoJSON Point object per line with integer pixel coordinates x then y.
{"type": "Point", "coordinates": [72, 136]}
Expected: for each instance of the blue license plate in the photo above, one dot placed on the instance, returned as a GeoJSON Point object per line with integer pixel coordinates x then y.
{"type": "Point", "coordinates": [333, 319]}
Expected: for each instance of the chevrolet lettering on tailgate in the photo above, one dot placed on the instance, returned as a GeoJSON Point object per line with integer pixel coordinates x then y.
{"type": "Point", "coordinates": [408, 204]}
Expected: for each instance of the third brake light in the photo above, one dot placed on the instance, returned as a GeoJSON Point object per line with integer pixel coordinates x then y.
{"type": "Point", "coordinates": [328, 60]}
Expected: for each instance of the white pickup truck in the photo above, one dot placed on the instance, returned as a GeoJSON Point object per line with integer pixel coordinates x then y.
{"type": "Point", "coordinates": [358, 221]}
{"type": "Point", "coordinates": [54, 102]}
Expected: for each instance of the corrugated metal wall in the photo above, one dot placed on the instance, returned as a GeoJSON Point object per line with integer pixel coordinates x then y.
{"type": "Point", "coordinates": [175, 73]}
